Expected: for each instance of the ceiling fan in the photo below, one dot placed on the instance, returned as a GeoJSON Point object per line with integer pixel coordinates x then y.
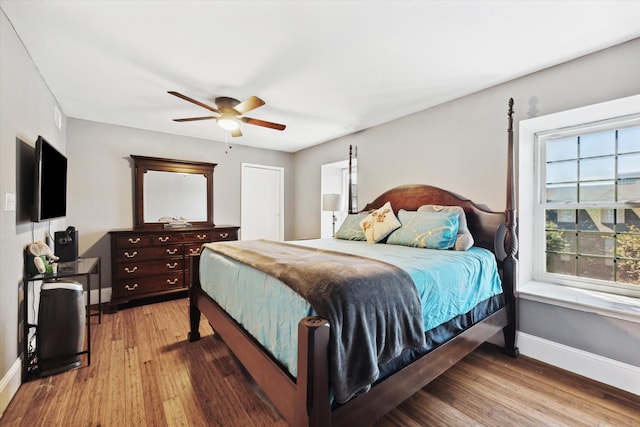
{"type": "Point", "coordinates": [230, 112]}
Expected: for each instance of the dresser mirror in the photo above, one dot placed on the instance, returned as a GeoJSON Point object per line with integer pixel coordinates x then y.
{"type": "Point", "coordinates": [169, 191]}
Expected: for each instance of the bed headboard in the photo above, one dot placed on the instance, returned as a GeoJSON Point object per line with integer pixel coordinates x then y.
{"type": "Point", "coordinates": [483, 224]}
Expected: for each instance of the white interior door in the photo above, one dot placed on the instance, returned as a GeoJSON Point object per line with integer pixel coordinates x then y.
{"type": "Point", "coordinates": [262, 202]}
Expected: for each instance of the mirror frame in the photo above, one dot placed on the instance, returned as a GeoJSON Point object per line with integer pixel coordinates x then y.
{"type": "Point", "coordinates": [143, 164]}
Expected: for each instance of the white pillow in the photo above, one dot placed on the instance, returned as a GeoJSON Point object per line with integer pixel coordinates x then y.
{"type": "Point", "coordinates": [379, 223]}
{"type": "Point", "coordinates": [464, 239]}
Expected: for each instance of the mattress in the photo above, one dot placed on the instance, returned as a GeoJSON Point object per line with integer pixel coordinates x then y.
{"type": "Point", "coordinates": [450, 285]}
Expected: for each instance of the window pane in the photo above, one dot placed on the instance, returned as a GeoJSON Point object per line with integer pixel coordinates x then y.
{"type": "Point", "coordinates": [628, 246]}
{"type": "Point", "coordinates": [595, 220]}
{"type": "Point", "coordinates": [559, 241]}
{"type": "Point", "coordinates": [629, 166]}
{"type": "Point", "coordinates": [628, 220]}
{"type": "Point", "coordinates": [562, 171]}
{"type": "Point", "coordinates": [596, 268]}
{"type": "Point", "coordinates": [595, 244]}
{"type": "Point", "coordinates": [560, 219]}
{"type": "Point", "coordinates": [629, 272]}
{"type": "Point", "coordinates": [561, 264]}
{"type": "Point", "coordinates": [587, 171]}
{"type": "Point", "coordinates": [598, 168]}
{"type": "Point", "coordinates": [598, 144]}
{"type": "Point", "coordinates": [628, 189]}
{"type": "Point", "coordinates": [629, 139]}
{"type": "Point", "coordinates": [562, 192]}
{"type": "Point", "coordinates": [602, 191]}
{"type": "Point", "coordinates": [562, 149]}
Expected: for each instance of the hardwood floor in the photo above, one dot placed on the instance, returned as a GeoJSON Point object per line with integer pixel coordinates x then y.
{"type": "Point", "coordinates": [145, 372]}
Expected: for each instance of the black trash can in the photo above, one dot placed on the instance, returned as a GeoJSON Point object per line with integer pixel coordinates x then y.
{"type": "Point", "coordinates": [61, 327]}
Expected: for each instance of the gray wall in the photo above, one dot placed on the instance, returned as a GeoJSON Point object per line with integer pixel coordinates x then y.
{"type": "Point", "coordinates": [100, 195]}
{"type": "Point", "coordinates": [27, 110]}
{"type": "Point", "coordinates": [448, 145]}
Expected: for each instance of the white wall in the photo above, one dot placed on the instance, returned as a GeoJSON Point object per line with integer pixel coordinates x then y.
{"type": "Point", "coordinates": [100, 192]}
{"type": "Point", "coordinates": [27, 110]}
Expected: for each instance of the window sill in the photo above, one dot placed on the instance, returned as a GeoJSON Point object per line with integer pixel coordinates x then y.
{"type": "Point", "coordinates": [616, 306]}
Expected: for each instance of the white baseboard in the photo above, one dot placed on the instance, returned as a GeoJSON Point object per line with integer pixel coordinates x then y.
{"type": "Point", "coordinates": [598, 368]}
{"type": "Point", "coordinates": [9, 385]}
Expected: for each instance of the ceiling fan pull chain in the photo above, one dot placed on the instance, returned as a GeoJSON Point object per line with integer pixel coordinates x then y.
{"type": "Point", "coordinates": [227, 147]}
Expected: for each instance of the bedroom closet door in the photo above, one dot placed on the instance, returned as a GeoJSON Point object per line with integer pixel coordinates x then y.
{"type": "Point", "coordinates": [262, 202]}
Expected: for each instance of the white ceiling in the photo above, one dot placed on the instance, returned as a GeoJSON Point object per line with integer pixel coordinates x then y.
{"type": "Point", "coordinates": [324, 68]}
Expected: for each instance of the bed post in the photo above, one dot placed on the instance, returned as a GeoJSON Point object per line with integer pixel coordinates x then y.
{"type": "Point", "coordinates": [510, 263]}
{"type": "Point", "coordinates": [349, 194]}
{"type": "Point", "coordinates": [194, 312]}
{"type": "Point", "coordinates": [313, 373]}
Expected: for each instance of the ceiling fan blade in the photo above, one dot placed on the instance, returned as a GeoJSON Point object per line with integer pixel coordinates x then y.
{"type": "Point", "coordinates": [262, 123]}
{"type": "Point", "coordinates": [191, 119]}
{"type": "Point", "coordinates": [198, 103]}
{"type": "Point", "coordinates": [249, 104]}
{"type": "Point", "coordinates": [236, 132]}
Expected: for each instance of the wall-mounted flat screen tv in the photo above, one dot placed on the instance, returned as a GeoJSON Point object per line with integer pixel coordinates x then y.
{"type": "Point", "coordinates": [50, 182]}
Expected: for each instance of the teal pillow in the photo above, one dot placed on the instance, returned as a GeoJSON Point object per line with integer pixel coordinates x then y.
{"type": "Point", "coordinates": [431, 230]}
{"type": "Point", "coordinates": [350, 228]}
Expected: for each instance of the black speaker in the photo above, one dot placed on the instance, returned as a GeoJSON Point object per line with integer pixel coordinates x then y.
{"type": "Point", "coordinates": [66, 244]}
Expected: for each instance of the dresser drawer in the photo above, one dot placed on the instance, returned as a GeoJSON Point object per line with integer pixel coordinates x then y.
{"type": "Point", "coordinates": [147, 268]}
{"type": "Point", "coordinates": [193, 249]}
{"type": "Point", "coordinates": [220, 235]}
{"type": "Point", "coordinates": [167, 238]}
{"type": "Point", "coordinates": [132, 240]}
{"type": "Point", "coordinates": [132, 287]}
{"type": "Point", "coordinates": [197, 237]}
{"type": "Point", "coordinates": [146, 253]}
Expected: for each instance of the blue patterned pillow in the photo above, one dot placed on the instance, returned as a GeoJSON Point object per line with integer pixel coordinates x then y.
{"type": "Point", "coordinates": [350, 228]}
{"type": "Point", "coordinates": [431, 230]}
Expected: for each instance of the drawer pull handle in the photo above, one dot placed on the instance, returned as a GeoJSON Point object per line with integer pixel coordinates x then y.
{"type": "Point", "coordinates": [134, 241]}
{"type": "Point", "coordinates": [194, 251]}
{"type": "Point", "coordinates": [130, 270]}
{"type": "Point", "coordinates": [128, 255]}
{"type": "Point", "coordinates": [172, 282]}
{"type": "Point", "coordinates": [172, 266]}
{"type": "Point", "coordinates": [171, 252]}
{"type": "Point", "coordinates": [163, 238]}
{"type": "Point", "coordinates": [224, 235]}
{"type": "Point", "coordinates": [201, 236]}
{"type": "Point", "coordinates": [130, 288]}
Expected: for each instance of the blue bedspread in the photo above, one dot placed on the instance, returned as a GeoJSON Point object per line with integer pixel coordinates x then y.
{"type": "Point", "coordinates": [449, 283]}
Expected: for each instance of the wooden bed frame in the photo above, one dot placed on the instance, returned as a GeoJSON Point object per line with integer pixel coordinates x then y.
{"type": "Point", "coordinates": [305, 401]}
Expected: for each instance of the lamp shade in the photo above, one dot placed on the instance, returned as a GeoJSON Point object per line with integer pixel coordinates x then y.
{"type": "Point", "coordinates": [228, 123]}
{"type": "Point", "coordinates": [331, 202]}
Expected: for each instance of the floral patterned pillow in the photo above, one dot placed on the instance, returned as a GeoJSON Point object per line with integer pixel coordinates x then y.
{"type": "Point", "coordinates": [350, 228]}
{"type": "Point", "coordinates": [380, 223]}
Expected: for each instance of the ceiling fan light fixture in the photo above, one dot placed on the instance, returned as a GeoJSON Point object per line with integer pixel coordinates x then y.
{"type": "Point", "coordinates": [228, 123]}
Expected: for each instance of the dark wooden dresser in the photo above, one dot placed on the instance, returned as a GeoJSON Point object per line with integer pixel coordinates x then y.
{"type": "Point", "coordinates": [147, 263]}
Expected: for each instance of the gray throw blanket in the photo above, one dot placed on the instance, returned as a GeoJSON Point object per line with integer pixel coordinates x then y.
{"type": "Point", "coordinates": [373, 307]}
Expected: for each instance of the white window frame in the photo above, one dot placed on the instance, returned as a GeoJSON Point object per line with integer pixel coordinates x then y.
{"type": "Point", "coordinates": [540, 271]}
{"type": "Point", "coordinates": [531, 250]}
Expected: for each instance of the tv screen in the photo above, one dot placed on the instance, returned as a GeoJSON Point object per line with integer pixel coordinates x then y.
{"type": "Point", "coordinates": [50, 182]}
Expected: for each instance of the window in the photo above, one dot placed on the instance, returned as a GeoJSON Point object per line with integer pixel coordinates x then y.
{"type": "Point", "coordinates": [588, 206]}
